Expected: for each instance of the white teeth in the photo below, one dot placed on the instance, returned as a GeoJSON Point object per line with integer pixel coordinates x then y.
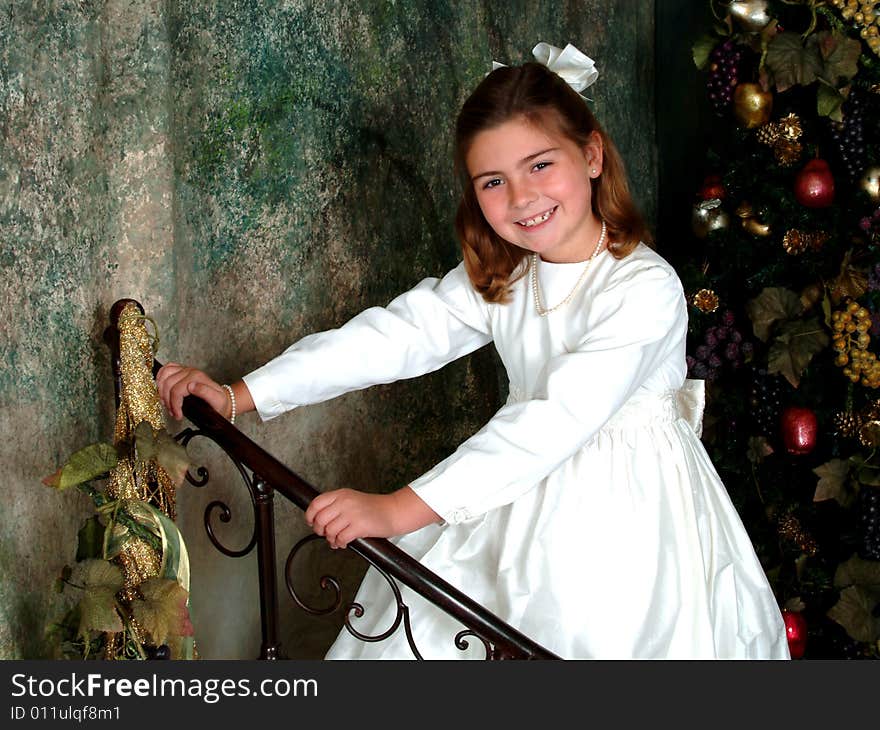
{"type": "Point", "coordinates": [538, 219]}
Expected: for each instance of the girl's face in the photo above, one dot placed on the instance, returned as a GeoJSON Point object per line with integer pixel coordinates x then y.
{"type": "Point", "coordinates": [533, 186]}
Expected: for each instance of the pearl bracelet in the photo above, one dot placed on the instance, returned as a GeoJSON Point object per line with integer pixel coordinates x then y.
{"type": "Point", "coordinates": [229, 391]}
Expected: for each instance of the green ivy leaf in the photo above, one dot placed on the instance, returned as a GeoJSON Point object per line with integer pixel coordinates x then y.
{"type": "Point", "coordinates": [855, 571]}
{"type": "Point", "coordinates": [854, 611]}
{"type": "Point", "coordinates": [791, 62]}
{"type": "Point", "coordinates": [163, 611]}
{"type": "Point", "coordinates": [162, 448]}
{"type": "Point", "coordinates": [770, 306]}
{"type": "Point", "coordinates": [701, 50]}
{"type": "Point", "coordinates": [101, 580]}
{"type": "Point", "coordinates": [839, 55]}
{"type": "Point", "coordinates": [86, 464]}
{"type": "Point", "coordinates": [759, 449]}
{"type": "Point", "coordinates": [829, 102]}
{"type": "Point", "coordinates": [61, 580]}
{"type": "Point", "coordinates": [833, 482]}
{"type": "Point", "coordinates": [90, 540]}
{"type": "Point", "coordinates": [795, 346]}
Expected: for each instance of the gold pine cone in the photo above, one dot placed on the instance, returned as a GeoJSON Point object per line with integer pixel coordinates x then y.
{"type": "Point", "coordinates": [787, 151]}
{"type": "Point", "coordinates": [846, 424]}
{"type": "Point", "coordinates": [706, 301]}
{"type": "Point", "coordinates": [795, 242]}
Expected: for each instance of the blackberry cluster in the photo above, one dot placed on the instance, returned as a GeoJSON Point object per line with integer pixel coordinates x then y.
{"type": "Point", "coordinates": [724, 62]}
{"type": "Point", "coordinates": [723, 346]}
{"type": "Point", "coordinates": [766, 398]}
{"type": "Point", "coordinates": [869, 523]}
{"type": "Point", "coordinates": [849, 136]}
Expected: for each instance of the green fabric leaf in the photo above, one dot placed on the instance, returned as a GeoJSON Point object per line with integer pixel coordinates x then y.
{"type": "Point", "coordinates": [855, 571]}
{"type": "Point", "coordinates": [101, 581]}
{"type": "Point", "coordinates": [98, 612]}
{"type": "Point", "coordinates": [163, 610]}
{"type": "Point", "coordinates": [701, 50]}
{"type": "Point", "coordinates": [839, 55]}
{"type": "Point", "coordinates": [770, 306]}
{"type": "Point", "coordinates": [90, 540]}
{"type": "Point", "coordinates": [162, 448]}
{"type": "Point", "coordinates": [759, 449]}
{"type": "Point", "coordinates": [829, 102]}
{"type": "Point", "coordinates": [84, 465]}
{"type": "Point", "coordinates": [854, 611]}
{"type": "Point", "coordinates": [833, 482]}
{"type": "Point", "coordinates": [792, 350]}
{"type": "Point", "coordinates": [791, 62]}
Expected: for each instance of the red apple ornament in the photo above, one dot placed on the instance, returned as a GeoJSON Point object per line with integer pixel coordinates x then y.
{"type": "Point", "coordinates": [795, 632]}
{"type": "Point", "coordinates": [814, 185]}
{"type": "Point", "coordinates": [799, 430]}
{"type": "Point", "coordinates": [712, 187]}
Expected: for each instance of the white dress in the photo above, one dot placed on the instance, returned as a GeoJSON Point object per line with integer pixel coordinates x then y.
{"type": "Point", "coordinates": [586, 513]}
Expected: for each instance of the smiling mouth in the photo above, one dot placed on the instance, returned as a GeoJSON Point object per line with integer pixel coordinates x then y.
{"type": "Point", "coordinates": [538, 219]}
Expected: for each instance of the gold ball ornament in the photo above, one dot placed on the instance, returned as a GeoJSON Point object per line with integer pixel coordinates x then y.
{"type": "Point", "coordinates": [708, 216]}
{"type": "Point", "coordinates": [752, 105]}
{"type": "Point", "coordinates": [811, 295]}
{"type": "Point", "coordinates": [870, 183]}
{"type": "Point", "coordinates": [754, 227]}
{"type": "Point", "coordinates": [750, 15]}
{"type": "Point", "coordinates": [750, 224]}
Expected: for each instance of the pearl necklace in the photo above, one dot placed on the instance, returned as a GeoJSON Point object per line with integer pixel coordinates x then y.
{"type": "Point", "coordinates": [533, 275]}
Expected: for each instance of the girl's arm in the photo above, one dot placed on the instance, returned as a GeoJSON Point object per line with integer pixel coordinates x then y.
{"type": "Point", "coordinates": [344, 515]}
{"type": "Point", "coordinates": [637, 322]}
{"type": "Point", "coordinates": [423, 329]}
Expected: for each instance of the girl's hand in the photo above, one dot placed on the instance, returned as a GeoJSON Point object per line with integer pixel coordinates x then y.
{"type": "Point", "coordinates": [346, 514]}
{"type": "Point", "coordinates": [175, 382]}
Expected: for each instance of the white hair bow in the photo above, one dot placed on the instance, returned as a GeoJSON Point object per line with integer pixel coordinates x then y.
{"type": "Point", "coordinates": [575, 68]}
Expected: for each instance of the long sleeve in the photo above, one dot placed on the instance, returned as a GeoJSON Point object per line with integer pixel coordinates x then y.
{"type": "Point", "coordinates": [432, 324]}
{"type": "Point", "coordinates": [635, 322]}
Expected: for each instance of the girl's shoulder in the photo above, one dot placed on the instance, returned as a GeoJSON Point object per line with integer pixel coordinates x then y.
{"type": "Point", "coordinates": [642, 268]}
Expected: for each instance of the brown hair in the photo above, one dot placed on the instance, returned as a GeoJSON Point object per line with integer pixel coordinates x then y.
{"type": "Point", "coordinates": [539, 95]}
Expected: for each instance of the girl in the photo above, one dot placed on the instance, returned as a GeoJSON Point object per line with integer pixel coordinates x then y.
{"type": "Point", "coordinates": [586, 512]}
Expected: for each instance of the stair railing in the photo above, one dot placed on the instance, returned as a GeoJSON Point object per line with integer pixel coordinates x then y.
{"type": "Point", "coordinates": [264, 475]}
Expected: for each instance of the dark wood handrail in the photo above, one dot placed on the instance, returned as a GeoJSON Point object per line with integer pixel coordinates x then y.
{"type": "Point", "coordinates": [506, 641]}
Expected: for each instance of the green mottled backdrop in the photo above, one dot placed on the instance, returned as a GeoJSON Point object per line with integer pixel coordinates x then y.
{"type": "Point", "coordinates": [251, 172]}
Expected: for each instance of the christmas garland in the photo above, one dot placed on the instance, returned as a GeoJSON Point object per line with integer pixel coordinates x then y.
{"type": "Point", "coordinates": [785, 297]}
{"type": "Point", "coordinates": [132, 571]}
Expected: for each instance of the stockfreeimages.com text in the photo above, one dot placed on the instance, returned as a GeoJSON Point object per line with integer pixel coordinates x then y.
{"type": "Point", "coordinates": [210, 690]}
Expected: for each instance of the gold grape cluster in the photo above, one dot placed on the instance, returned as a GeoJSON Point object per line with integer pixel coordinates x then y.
{"type": "Point", "coordinates": [865, 14]}
{"type": "Point", "coordinates": [851, 340]}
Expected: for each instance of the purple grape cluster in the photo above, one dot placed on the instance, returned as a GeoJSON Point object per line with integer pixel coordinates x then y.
{"type": "Point", "coordinates": [766, 397]}
{"type": "Point", "coordinates": [870, 224]}
{"type": "Point", "coordinates": [869, 523]}
{"type": "Point", "coordinates": [849, 136]}
{"type": "Point", "coordinates": [724, 62]}
{"type": "Point", "coordinates": [723, 346]}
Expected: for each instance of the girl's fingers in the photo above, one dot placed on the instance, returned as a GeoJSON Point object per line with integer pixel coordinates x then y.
{"type": "Point", "coordinates": [318, 504]}
{"type": "Point", "coordinates": [345, 536]}
{"type": "Point", "coordinates": [322, 518]}
{"type": "Point", "coordinates": [334, 528]}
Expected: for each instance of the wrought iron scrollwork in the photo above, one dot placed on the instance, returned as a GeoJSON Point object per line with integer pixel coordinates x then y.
{"type": "Point", "coordinates": [461, 642]}
{"type": "Point", "coordinates": [326, 580]}
{"type": "Point", "coordinates": [184, 437]}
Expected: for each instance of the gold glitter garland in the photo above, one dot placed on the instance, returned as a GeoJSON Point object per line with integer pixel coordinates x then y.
{"type": "Point", "coordinates": [139, 401]}
{"type": "Point", "coordinates": [141, 480]}
{"type": "Point", "coordinates": [790, 529]}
